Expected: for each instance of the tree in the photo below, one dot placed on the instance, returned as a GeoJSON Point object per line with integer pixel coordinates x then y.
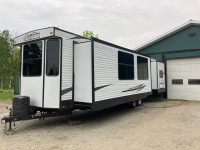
{"type": "Point", "coordinates": [89, 34]}
{"type": "Point", "coordinates": [9, 58]}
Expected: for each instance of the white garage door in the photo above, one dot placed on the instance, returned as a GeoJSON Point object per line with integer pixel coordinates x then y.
{"type": "Point", "coordinates": [183, 79]}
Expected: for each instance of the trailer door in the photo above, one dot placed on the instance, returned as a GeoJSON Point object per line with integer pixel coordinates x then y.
{"type": "Point", "coordinates": [32, 72]}
{"type": "Point", "coordinates": [52, 74]}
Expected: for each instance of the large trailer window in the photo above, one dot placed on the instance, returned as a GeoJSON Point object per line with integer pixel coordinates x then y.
{"type": "Point", "coordinates": [52, 57]}
{"type": "Point", "coordinates": [125, 66]}
{"type": "Point", "coordinates": [32, 59]}
{"type": "Point", "coordinates": [142, 67]}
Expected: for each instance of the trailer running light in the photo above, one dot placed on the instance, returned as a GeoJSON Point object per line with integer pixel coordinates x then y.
{"type": "Point", "coordinates": [51, 32]}
{"type": "Point", "coordinates": [63, 107]}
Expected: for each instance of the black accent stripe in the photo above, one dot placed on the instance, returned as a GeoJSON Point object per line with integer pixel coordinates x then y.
{"type": "Point", "coordinates": [65, 91]}
{"type": "Point", "coordinates": [61, 52]}
{"type": "Point", "coordinates": [119, 100]}
{"type": "Point", "coordinates": [141, 87]}
{"type": "Point", "coordinates": [138, 88]}
{"type": "Point", "coordinates": [100, 87]}
{"type": "Point", "coordinates": [93, 77]}
{"type": "Point", "coordinates": [44, 66]}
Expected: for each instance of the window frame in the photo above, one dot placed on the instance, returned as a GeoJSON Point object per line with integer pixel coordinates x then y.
{"type": "Point", "coordinates": [147, 68]}
{"type": "Point", "coordinates": [59, 57]}
{"type": "Point", "coordinates": [133, 66]}
{"type": "Point", "coordinates": [22, 60]}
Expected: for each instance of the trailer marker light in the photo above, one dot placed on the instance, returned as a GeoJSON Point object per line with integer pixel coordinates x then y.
{"type": "Point", "coordinates": [51, 32]}
{"type": "Point", "coordinates": [63, 107]}
{"type": "Point", "coordinates": [14, 41]}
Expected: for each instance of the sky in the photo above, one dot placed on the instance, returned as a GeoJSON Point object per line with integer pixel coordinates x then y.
{"type": "Point", "coordinates": [128, 23]}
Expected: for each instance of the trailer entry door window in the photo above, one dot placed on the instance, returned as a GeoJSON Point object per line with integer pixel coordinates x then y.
{"type": "Point", "coordinates": [161, 74]}
{"type": "Point", "coordinates": [142, 67]}
{"type": "Point", "coordinates": [32, 59]}
{"type": "Point", "coordinates": [125, 66]}
{"type": "Point", "coordinates": [52, 57]}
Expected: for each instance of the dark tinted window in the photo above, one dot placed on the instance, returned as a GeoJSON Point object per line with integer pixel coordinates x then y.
{"type": "Point", "coordinates": [32, 59]}
{"type": "Point", "coordinates": [52, 58]}
{"type": "Point", "coordinates": [161, 74]}
{"type": "Point", "coordinates": [125, 66]}
{"type": "Point", "coordinates": [194, 81]}
{"type": "Point", "coordinates": [177, 81]}
{"type": "Point", "coordinates": [142, 67]}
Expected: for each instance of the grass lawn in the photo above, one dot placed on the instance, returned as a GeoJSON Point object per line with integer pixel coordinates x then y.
{"type": "Point", "coordinates": [6, 96]}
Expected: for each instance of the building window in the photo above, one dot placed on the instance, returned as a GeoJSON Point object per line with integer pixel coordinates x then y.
{"type": "Point", "coordinates": [177, 81]}
{"type": "Point", "coordinates": [194, 81]}
{"type": "Point", "coordinates": [52, 57]}
{"type": "Point", "coordinates": [161, 74]}
{"type": "Point", "coordinates": [142, 67]}
{"type": "Point", "coordinates": [125, 66]}
{"type": "Point", "coordinates": [32, 59]}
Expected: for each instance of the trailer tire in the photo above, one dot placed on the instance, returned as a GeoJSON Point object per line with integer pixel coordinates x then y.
{"type": "Point", "coordinates": [21, 113]}
{"type": "Point", "coordinates": [20, 105]}
{"type": "Point", "coordinates": [20, 100]}
{"type": "Point", "coordinates": [132, 104]}
{"type": "Point", "coordinates": [139, 102]}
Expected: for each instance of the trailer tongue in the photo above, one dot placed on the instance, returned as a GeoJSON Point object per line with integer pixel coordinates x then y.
{"type": "Point", "coordinates": [21, 110]}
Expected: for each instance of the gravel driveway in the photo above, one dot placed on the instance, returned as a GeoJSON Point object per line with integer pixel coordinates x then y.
{"type": "Point", "coordinates": [155, 126]}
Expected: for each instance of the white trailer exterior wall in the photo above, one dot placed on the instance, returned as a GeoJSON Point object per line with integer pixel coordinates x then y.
{"type": "Point", "coordinates": [106, 74]}
{"type": "Point", "coordinates": [88, 72]}
{"type": "Point", "coordinates": [158, 76]}
{"type": "Point", "coordinates": [83, 73]}
{"type": "Point", "coordinates": [67, 63]}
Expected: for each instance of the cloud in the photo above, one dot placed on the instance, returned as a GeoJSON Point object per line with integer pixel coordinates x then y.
{"type": "Point", "coordinates": [123, 22]}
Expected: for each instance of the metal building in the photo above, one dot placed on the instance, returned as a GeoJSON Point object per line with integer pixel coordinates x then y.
{"type": "Point", "coordinates": [180, 50]}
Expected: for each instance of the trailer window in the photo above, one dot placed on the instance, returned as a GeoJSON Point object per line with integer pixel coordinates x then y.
{"type": "Point", "coordinates": [32, 59]}
{"type": "Point", "coordinates": [161, 74]}
{"type": "Point", "coordinates": [125, 66]}
{"type": "Point", "coordinates": [52, 57]}
{"type": "Point", "coordinates": [142, 67]}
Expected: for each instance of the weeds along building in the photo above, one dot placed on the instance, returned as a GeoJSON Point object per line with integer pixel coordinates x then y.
{"type": "Point", "coordinates": [180, 50]}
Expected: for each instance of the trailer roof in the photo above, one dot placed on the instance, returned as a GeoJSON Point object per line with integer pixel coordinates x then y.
{"type": "Point", "coordinates": [44, 33]}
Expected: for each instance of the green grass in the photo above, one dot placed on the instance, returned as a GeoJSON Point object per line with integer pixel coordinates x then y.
{"type": "Point", "coordinates": [6, 96]}
{"type": "Point", "coordinates": [155, 100]}
{"type": "Point", "coordinates": [159, 99]}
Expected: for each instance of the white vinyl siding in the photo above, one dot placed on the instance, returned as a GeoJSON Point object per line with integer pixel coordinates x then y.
{"type": "Point", "coordinates": [67, 62]}
{"type": "Point", "coordinates": [106, 73]}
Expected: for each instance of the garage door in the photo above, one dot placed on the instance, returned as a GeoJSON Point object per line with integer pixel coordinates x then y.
{"type": "Point", "coordinates": [183, 79]}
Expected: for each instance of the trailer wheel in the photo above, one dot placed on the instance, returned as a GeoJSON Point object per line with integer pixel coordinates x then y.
{"type": "Point", "coordinates": [132, 104]}
{"type": "Point", "coordinates": [139, 102]}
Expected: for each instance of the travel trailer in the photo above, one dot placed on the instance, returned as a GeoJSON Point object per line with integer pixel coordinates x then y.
{"type": "Point", "coordinates": [158, 77]}
{"type": "Point", "coordinates": [63, 71]}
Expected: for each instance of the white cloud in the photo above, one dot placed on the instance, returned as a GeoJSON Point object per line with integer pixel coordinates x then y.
{"type": "Point", "coordinates": [124, 22]}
